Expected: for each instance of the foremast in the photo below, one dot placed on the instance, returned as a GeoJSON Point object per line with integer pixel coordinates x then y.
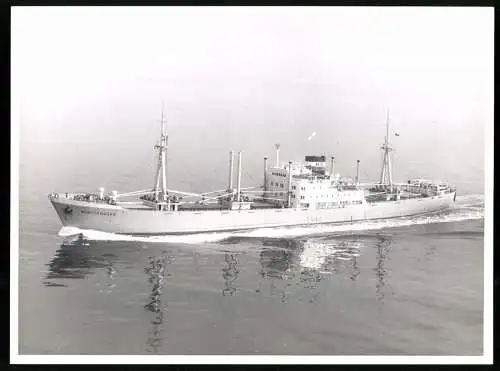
{"type": "Point", "coordinates": [161, 174]}
{"type": "Point", "coordinates": [386, 173]}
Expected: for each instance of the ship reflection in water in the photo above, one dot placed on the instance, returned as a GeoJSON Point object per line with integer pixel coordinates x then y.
{"type": "Point", "coordinates": [383, 247]}
{"type": "Point", "coordinates": [156, 272]}
{"type": "Point", "coordinates": [81, 259]}
{"type": "Point", "coordinates": [75, 259]}
{"type": "Point", "coordinates": [288, 269]}
{"type": "Point", "coordinates": [306, 263]}
{"type": "Point", "coordinates": [230, 274]}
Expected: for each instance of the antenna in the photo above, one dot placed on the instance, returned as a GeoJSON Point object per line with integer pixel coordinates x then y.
{"type": "Point", "coordinates": [387, 126]}
{"type": "Point", "coordinates": [163, 121]}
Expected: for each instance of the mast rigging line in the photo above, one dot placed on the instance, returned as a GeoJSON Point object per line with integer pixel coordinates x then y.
{"type": "Point", "coordinates": [188, 194]}
{"type": "Point", "coordinates": [270, 198]}
{"type": "Point", "coordinates": [135, 193]}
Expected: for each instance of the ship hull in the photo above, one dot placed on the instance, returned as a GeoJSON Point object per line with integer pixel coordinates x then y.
{"type": "Point", "coordinates": [115, 219]}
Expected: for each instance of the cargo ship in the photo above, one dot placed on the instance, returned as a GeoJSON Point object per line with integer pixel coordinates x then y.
{"type": "Point", "coordinates": [291, 194]}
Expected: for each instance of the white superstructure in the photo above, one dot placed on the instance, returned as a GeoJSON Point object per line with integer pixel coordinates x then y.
{"type": "Point", "coordinates": [308, 185]}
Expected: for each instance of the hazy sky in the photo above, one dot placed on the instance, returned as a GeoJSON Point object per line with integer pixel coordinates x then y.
{"type": "Point", "coordinates": [247, 77]}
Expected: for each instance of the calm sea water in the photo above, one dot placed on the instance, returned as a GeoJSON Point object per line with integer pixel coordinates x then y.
{"type": "Point", "coordinates": [410, 286]}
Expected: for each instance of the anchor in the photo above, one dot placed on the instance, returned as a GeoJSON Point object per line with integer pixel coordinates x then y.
{"type": "Point", "coordinates": [67, 210]}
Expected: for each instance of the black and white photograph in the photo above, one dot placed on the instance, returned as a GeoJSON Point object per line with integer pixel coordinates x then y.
{"type": "Point", "coordinates": [251, 184]}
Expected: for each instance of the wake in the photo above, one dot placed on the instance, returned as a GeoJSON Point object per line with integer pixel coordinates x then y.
{"type": "Point", "coordinates": [468, 207]}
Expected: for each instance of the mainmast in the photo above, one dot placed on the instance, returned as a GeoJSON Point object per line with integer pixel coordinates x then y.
{"type": "Point", "coordinates": [386, 173]}
{"type": "Point", "coordinates": [162, 161]}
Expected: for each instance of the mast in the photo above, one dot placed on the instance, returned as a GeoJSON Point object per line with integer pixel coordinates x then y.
{"type": "Point", "coordinates": [265, 174]}
{"type": "Point", "coordinates": [289, 201]}
{"type": "Point", "coordinates": [162, 161]}
{"type": "Point", "coordinates": [357, 172]}
{"type": "Point", "coordinates": [238, 179]}
{"type": "Point", "coordinates": [332, 166]}
{"type": "Point", "coordinates": [386, 173]}
{"type": "Point", "coordinates": [231, 166]}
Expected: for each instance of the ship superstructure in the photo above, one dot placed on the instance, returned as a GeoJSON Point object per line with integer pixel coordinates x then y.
{"type": "Point", "coordinates": [292, 193]}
